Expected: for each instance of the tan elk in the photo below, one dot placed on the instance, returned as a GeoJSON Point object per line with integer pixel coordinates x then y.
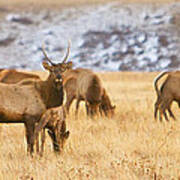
{"type": "Point", "coordinates": [11, 76]}
{"type": "Point", "coordinates": [83, 84]}
{"type": "Point", "coordinates": [54, 119]}
{"type": "Point", "coordinates": [168, 93]}
{"type": "Point", "coordinates": [27, 100]}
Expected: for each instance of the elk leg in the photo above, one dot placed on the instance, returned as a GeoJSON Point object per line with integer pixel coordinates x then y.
{"type": "Point", "coordinates": [37, 144]}
{"type": "Point", "coordinates": [165, 115]}
{"type": "Point", "coordinates": [87, 109]}
{"type": "Point", "coordinates": [68, 103]}
{"type": "Point", "coordinates": [171, 113]}
{"type": "Point", "coordinates": [29, 125]}
{"type": "Point", "coordinates": [36, 139]}
{"type": "Point", "coordinates": [100, 110]}
{"type": "Point", "coordinates": [156, 107]}
{"type": "Point", "coordinates": [54, 140]}
{"type": "Point", "coordinates": [160, 115]}
{"type": "Point", "coordinates": [167, 106]}
{"type": "Point", "coordinates": [27, 138]}
{"type": "Point", "coordinates": [96, 109]}
{"type": "Point", "coordinates": [42, 141]}
{"type": "Point", "coordinates": [164, 106]}
{"type": "Point", "coordinates": [92, 111]}
{"type": "Point", "coordinates": [77, 107]}
{"type": "Point", "coordinates": [162, 112]}
{"type": "Point", "coordinates": [39, 127]}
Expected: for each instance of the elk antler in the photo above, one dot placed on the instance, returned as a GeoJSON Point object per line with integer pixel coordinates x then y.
{"type": "Point", "coordinates": [49, 60]}
{"type": "Point", "coordinates": [68, 50]}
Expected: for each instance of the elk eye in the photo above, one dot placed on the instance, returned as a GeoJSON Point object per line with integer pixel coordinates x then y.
{"type": "Point", "coordinates": [58, 80]}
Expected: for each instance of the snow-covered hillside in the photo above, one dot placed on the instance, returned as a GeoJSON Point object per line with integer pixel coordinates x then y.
{"type": "Point", "coordinates": [112, 37]}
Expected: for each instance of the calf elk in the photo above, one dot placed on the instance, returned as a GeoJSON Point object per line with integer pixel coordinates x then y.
{"type": "Point", "coordinates": [168, 93]}
{"type": "Point", "coordinates": [54, 119]}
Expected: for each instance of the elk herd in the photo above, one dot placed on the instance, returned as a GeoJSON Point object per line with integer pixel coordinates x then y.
{"type": "Point", "coordinates": [39, 104]}
{"type": "Point", "coordinates": [25, 98]}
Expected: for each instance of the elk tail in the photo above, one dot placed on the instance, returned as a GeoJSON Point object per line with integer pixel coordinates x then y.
{"type": "Point", "coordinates": [156, 81]}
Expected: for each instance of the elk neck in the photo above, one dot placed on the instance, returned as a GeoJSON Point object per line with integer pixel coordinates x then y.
{"type": "Point", "coordinates": [51, 94]}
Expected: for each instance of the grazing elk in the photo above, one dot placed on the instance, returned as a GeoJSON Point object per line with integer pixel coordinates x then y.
{"type": "Point", "coordinates": [168, 93]}
{"type": "Point", "coordinates": [26, 101]}
{"type": "Point", "coordinates": [83, 84]}
{"type": "Point", "coordinates": [54, 119]}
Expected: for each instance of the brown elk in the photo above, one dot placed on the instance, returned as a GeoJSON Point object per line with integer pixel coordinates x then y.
{"type": "Point", "coordinates": [54, 119]}
{"type": "Point", "coordinates": [25, 101]}
{"type": "Point", "coordinates": [83, 84]}
{"type": "Point", "coordinates": [168, 93]}
{"type": "Point", "coordinates": [11, 76]}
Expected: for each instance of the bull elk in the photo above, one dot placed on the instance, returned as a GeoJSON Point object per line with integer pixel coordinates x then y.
{"type": "Point", "coordinates": [54, 119]}
{"type": "Point", "coordinates": [83, 84]}
{"type": "Point", "coordinates": [168, 93]}
{"type": "Point", "coordinates": [25, 102]}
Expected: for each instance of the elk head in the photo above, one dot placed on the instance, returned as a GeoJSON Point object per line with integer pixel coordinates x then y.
{"type": "Point", "coordinates": [59, 136]}
{"type": "Point", "coordinates": [56, 70]}
{"type": "Point", "coordinates": [62, 66]}
{"type": "Point", "coordinates": [106, 107]}
{"type": "Point", "coordinates": [55, 74]}
{"type": "Point", "coordinates": [62, 136]}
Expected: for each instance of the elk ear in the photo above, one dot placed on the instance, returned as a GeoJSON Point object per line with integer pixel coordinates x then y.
{"type": "Point", "coordinates": [66, 134]}
{"type": "Point", "coordinates": [46, 66]}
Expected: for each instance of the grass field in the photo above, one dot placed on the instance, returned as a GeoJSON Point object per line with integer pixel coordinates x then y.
{"type": "Point", "coordinates": [130, 146]}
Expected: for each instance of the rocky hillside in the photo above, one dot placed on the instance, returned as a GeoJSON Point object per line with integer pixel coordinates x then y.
{"type": "Point", "coordinates": [112, 37]}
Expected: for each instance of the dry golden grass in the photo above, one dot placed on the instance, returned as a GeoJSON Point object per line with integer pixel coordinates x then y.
{"type": "Point", "coordinates": [131, 146]}
{"type": "Point", "coordinates": [56, 4]}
